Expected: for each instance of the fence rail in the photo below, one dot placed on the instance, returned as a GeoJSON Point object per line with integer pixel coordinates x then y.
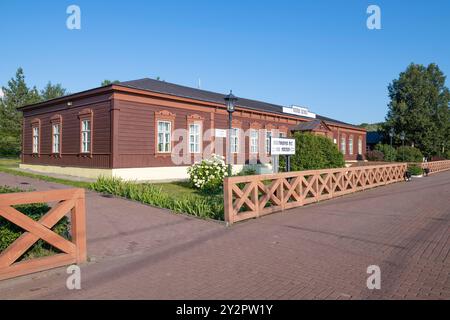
{"type": "Point", "coordinates": [436, 166]}
{"type": "Point", "coordinates": [74, 251]}
{"type": "Point", "coordinates": [254, 196]}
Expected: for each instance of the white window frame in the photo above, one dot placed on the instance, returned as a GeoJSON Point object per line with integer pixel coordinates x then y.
{"type": "Point", "coordinates": [343, 146]}
{"type": "Point", "coordinates": [360, 146]}
{"type": "Point", "coordinates": [164, 137]}
{"type": "Point", "coordinates": [269, 135]}
{"type": "Point", "coordinates": [254, 141]}
{"type": "Point", "coordinates": [56, 138]}
{"type": "Point", "coordinates": [234, 137]}
{"type": "Point", "coordinates": [86, 135]}
{"type": "Point", "coordinates": [350, 145]}
{"type": "Point", "coordinates": [195, 137]}
{"type": "Point", "coordinates": [36, 134]}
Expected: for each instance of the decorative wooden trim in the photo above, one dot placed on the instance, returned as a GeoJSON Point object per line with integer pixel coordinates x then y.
{"type": "Point", "coordinates": [236, 123]}
{"type": "Point", "coordinates": [255, 125]}
{"type": "Point", "coordinates": [249, 197]}
{"type": "Point", "coordinates": [194, 117]}
{"type": "Point", "coordinates": [164, 115]}
{"type": "Point", "coordinates": [85, 113]}
{"type": "Point", "coordinates": [56, 118]}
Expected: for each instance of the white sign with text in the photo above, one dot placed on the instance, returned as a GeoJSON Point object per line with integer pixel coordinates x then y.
{"type": "Point", "coordinates": [221, 133]}
{"type": "Point", "coordinates": [282, 146]}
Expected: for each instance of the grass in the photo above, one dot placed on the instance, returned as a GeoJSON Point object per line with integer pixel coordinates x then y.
{"type": "Point", "coordinates": [11, 166]}
{"type": "Point", "coordinates": [176, 196]}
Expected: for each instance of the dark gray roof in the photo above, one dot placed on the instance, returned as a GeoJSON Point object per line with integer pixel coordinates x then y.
{"type": "Point", "coordinates": [308, 126]}
{"type": "Point", "coordinates": [188, 92]}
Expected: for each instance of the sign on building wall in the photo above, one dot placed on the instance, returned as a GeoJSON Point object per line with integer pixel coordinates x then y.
{"type": "Point", "coordinates": [220, 133]}
{"type": "Point", "coordinates": [282, 146]}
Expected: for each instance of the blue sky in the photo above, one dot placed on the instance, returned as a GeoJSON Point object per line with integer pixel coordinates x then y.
{"type": "Point", "coordinates": [318, 54]}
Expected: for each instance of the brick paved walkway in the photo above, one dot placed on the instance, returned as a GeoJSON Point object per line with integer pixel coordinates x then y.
{"type": "Point", "coordinates": [319, 251]}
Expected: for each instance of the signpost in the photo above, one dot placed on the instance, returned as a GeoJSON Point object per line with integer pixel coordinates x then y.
{"type": "Point", "coordinates": [283, 146]}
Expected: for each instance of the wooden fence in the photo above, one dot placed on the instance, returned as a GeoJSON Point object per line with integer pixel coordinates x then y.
{"type": "Point", "coordinates": [436, 166]}
{"type": "Point", "coordinates": [74, 251]}
{"type": "Point", "coordinates": [249, 197]}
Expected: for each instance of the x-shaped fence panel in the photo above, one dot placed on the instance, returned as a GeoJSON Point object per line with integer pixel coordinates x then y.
{"type": "Point", "coordinates": [72, 251]}
{"type": "Point", "coordinates": [253, 196]}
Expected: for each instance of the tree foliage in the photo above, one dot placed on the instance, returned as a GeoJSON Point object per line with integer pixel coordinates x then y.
{"type": "Point", "coordinates": [389, 153]}
{"type": "Point", "coordinates": [107, 82]}
{"type": "Point", "coordinates": [15, 95]}
{"type": "Point", "coordinates": [419, 106]}
{"type": "Point", "coordinates": [53, 91]}
{"type": "Point", "coordinates": [409, 154]}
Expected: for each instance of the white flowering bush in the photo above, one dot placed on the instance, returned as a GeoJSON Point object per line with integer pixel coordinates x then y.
{"type": "Point", "coordinates": [208, 174]}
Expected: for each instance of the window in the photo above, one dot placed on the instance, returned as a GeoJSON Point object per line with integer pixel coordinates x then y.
{"type": "Point", "coordinates": [164, 136]}
{"type": "Point", "coordinates": [350, 145]}
{"type": "Point", "coordinates": [254, 141]}
{"type": "Point", "coordinates": [343, 145]}
{"type": "Point", "coordinates": [268, 136]}
{"type": "Point", "coordinates": [56, 131]}
{"type": "Point", "coordinates": [360, 145]}
{"type": "Point", "coordinates": [234, 140]}
{"type": "Point", "coordinates": [85, 136]}
{"type": "Point", "coordinates": [35, 139]}
{"type": "Point", "coordinates": [194, 137]}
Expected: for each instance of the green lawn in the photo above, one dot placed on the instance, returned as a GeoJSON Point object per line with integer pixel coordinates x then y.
{"type": "Point", "coordinates": [179, 196]}
{"type": "Point", "coordinates": [176, 189]}
{"type": "Point", "coordinates": [11, 166]}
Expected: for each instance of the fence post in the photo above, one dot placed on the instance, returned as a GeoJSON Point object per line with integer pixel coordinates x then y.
{"type": "Point", "coordinates": [228, 201]}
{"type": "Point", "coordinates": [78, 221]}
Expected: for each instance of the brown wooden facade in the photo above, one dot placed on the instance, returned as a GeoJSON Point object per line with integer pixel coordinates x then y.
{"type": "Point", "coordinates": [123, 127]}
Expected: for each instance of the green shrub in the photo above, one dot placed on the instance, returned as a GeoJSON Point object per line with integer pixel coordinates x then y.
{"type": "Point", "coordinates": [389, 153]}
{"type": "Point", "coordinates": [9, 232]}
{"type": "Point", "coordinates": [409, 154]}
{"type": "Point", "coordinates": [247, 171]}
{"type": "Point", "coordinates": [375, 155]}
{"type": "Point", "coordinates": [314, 152]}
{"type": "Point", "coordinates": [208, 174]}
{"type": "Point", "coordinates": [202, 206]}
{"type": "Point", "coordinates": [415, 170]}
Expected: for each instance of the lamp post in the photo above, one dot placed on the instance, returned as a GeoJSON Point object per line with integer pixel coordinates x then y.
{"type": "Point", "coordinates": [402, 137]}
{"type": "Point", "coordinates": [230, 101]}
{"type": "Point", "coordinates": [391, 134]}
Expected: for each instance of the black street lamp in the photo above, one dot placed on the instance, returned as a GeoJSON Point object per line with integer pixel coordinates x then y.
{"type": "Point", "coordinates": [402, 137]}
{"type": "Point", "coordinates": [391, 134]}
{"type": "Point", "coordinates": [230, 101]}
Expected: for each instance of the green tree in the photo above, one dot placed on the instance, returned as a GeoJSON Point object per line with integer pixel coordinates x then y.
{"type": "Point", "coordinates": [108, 82]}
{"type": "Point", "coordinates": [419, 106]}
{"type": "Point", "coordinates": [15, 95]}
{"type": "Point", "coordinates": [53, 91]}
{"type": "Point", "coordinates": [409, 154]}
{"type": "Point", "coordinates": [314, 152]}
